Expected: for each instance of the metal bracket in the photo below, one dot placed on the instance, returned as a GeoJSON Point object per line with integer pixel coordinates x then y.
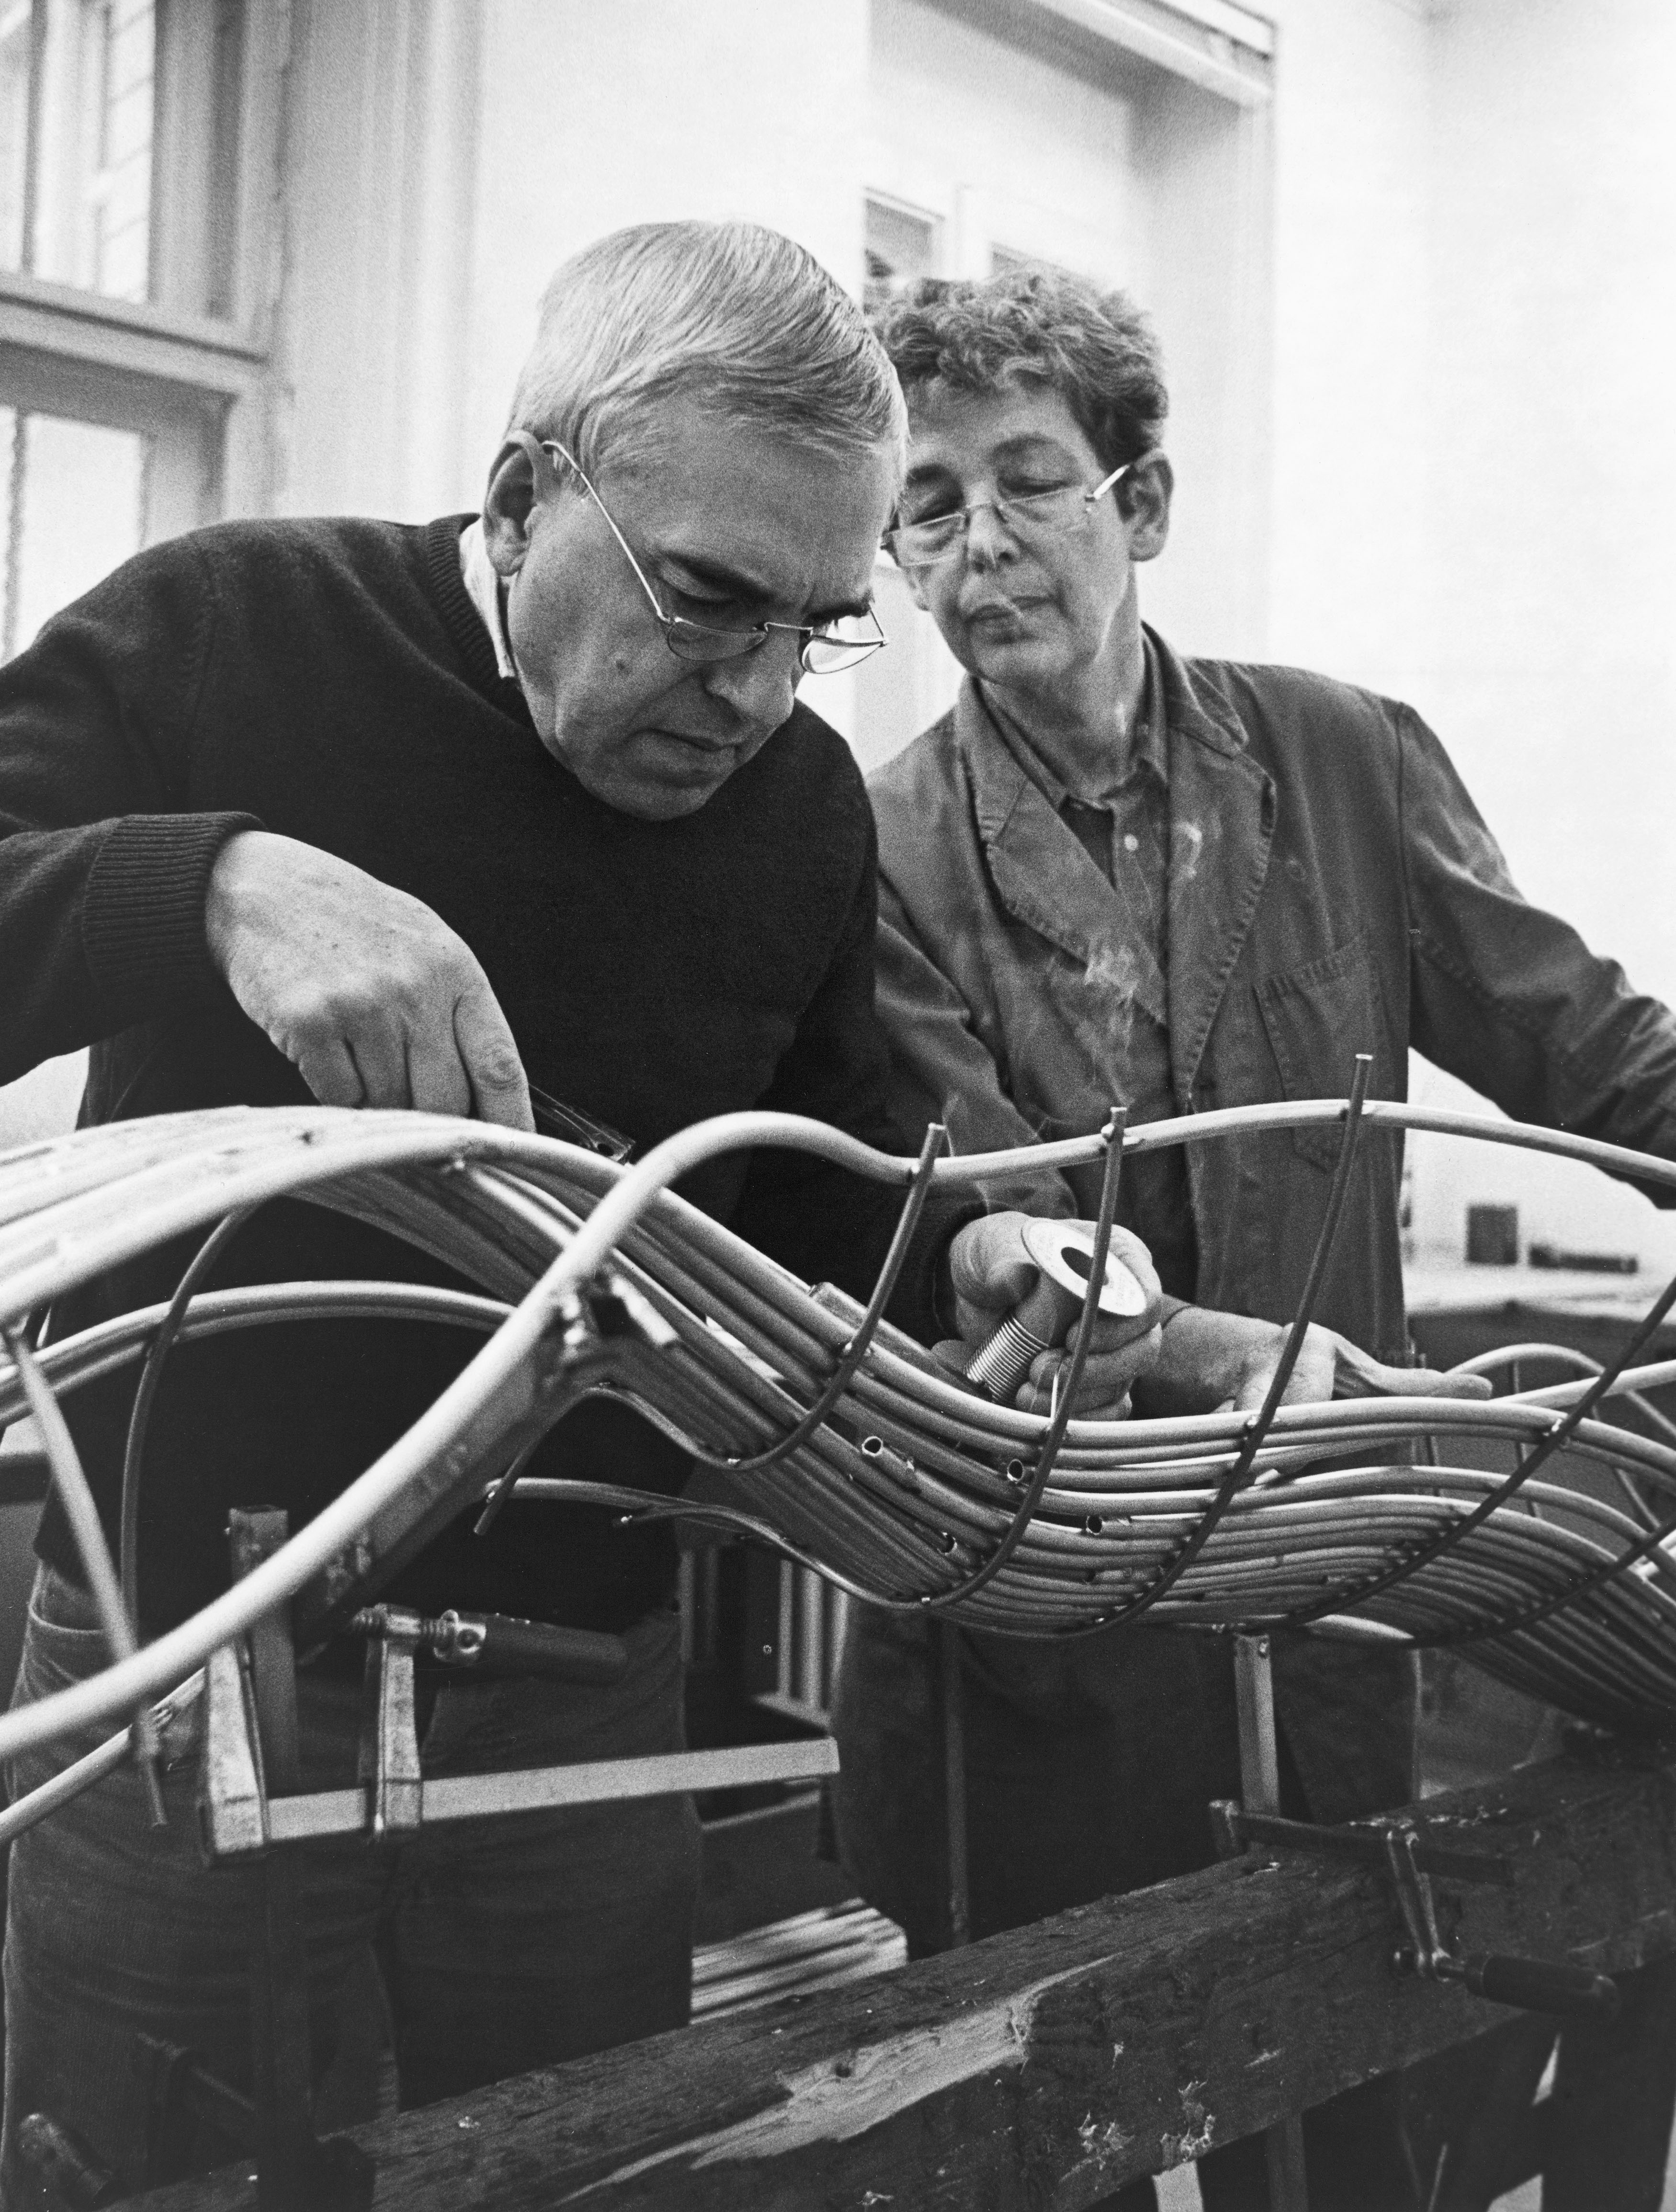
{"type": "Point", "coordinates": [250, 1744]}
{"type": "Point", "coordinates": [595, 1322]}
{"type": "Point", "coordinates": [232, 1791]}
{"type": "Point", "coordinates": [1259, 1779]}
{"type": "Point", "coordinates": [388, 1762]}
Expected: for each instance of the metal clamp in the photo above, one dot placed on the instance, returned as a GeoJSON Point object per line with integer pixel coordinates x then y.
{"type": "Point", "coordinates": [68, 2176]}
{"type": "Point", "coordinates": [232, 1789]}
{"type": "Point", "coordinates": [499, 1644]}
{"type": "Point", "coordinates": [1411, 1858]}
{"type": "Point", "coordinates": [387, 1762]}
{"type": "Point", "coordinates": [1532, 1984]}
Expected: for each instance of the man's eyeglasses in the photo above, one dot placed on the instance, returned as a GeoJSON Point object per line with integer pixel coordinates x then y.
{"type": "Point", "coordinates": [821, 652]}
{"type": "Point", "coordinates": [924, 540]}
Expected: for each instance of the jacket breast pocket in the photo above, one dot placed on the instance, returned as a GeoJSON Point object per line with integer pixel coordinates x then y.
{"type": "Point", "coordinates": [1318, 1017]}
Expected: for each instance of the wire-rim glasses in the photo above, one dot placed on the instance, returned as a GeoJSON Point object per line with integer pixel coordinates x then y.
{"type": "Point", "coordinates": [821, 652]}
{"type": "Point", "coordinates": [923, 543]}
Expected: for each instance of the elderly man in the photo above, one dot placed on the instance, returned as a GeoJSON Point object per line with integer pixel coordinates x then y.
{"type": "Point", "coordinates": [1111, 871]}
{"type": "Point", "coordinates": [408, 817]}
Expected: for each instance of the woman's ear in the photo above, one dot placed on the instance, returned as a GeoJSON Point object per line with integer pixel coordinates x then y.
{"type": "Point", "coordinates": [1143, 496]}
{"type": "Point", "coordinates": [509, 501]}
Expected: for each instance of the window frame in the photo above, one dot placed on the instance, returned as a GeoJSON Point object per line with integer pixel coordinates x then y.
{"type": "Point", "coordinates": [196, 386]}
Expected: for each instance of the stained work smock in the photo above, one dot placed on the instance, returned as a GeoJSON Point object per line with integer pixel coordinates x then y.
{"type": "Point", "coordinates": [1331, 889]}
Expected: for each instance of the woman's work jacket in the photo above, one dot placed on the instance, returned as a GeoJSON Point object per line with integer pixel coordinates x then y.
{"type": "Point", "coordinates": [1332, 890]}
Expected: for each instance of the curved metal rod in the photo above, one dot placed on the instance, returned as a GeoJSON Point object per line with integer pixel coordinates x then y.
{"type": "Point", "coordinates": [1239, 1474]}
{"type": "Point", "coordinates": [640, 1507]}
{"type": "Point", "coordinates": [856, 1350]}
{"type": "Point", "coordinates": [82, 1515]}
{"type": "Point", "coordinates": [1532, 1616]}
{"type": "Point", "coordinates": [140, 1675]}
{"type": "Point", "coordinates": [1312, 1113]}
{"type": "Point", "coordinates": [1528, 1617]}
{"type": "Point", "coordinates": [69, 1782]}
{"type": "Point", "coordinates": [1629, 1384]}
{"type": "Point", "coordinates": [1343, 1426]}
{"type": "Point", "coordinates": [402, 1184]}
{"type": "Point", "coordinates": [139, 1420]}
{"type": "Point", "coordinates": [111, 1345]}
{"type": "Point", "coordinates": [1560, 1434]}
{"type": "Point", "coordinates": [305, 1150]}
{"type": "Point", "coordinates": [1042, 1475]}
{"type": "Point", "coordinates": [1626, 1386]}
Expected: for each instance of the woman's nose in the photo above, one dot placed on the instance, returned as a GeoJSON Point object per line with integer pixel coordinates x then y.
{"type": "Point", "coordinates": [988, 540]}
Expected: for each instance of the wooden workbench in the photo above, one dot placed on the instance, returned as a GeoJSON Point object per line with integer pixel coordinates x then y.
{"type": "Point", "coordinates": [1041, 2068]}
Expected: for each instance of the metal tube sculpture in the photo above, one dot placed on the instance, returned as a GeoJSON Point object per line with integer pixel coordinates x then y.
{"type": "Point", "coordinates": [849, 1447]}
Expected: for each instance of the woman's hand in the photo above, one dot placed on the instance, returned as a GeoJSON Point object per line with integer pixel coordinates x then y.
{"type": "Point", "coordinates": [1212, 1362]}
{"type": "Point", "coordinates": [991, 1274]}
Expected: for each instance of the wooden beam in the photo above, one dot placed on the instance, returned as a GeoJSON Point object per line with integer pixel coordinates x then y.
{"type": "Point", "coordinates": [1042, 2068]}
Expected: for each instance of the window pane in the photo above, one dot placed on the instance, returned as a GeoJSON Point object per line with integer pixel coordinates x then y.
{"type": "Point", "coordinates": [15, 23]}
{"type": "Point", "coordinates": [1003, 261]}
{"type": "Point", "coordinates": [901, 247]}
{"type": "Point", "coordinates": [74, 506]}
{"type": "Point", "coordinates": [119, 146]}
{"type": "Point", "coordinates": [85, 212]}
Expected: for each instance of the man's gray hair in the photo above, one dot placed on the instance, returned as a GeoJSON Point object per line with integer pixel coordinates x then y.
{"type": "Point", "coordinates": [730, 314]}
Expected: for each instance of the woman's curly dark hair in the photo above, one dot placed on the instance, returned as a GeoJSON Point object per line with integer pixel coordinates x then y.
{"type": "Point", "coordinates": [1036, 325]}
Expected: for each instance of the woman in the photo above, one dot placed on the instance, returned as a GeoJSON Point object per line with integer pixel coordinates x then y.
{"type": "Point", "coordinates": [1113, 873]}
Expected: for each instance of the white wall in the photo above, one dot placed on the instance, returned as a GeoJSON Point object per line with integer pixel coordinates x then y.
{"type": "Point", "coordinates": [645, 110]}
{"type": "Point", "coordinates": [1004, 146]}
{"type": "Point", "coordinates": [1206, 172]}
{"type": "Point", "coordinates": [1475, 459]}
{"type": "Point", "coordinates": [373, 311]}
{"type": "Point", "coordinates": [1553, 538]}
{"type": "Point", "coordinates": [1348, 547]}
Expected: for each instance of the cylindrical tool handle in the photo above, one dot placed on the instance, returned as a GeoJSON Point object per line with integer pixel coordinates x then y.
{"type": "Point", "coordinates": [1537, 1985]}
{"type": "Point", "coordinates": [558, 1655]}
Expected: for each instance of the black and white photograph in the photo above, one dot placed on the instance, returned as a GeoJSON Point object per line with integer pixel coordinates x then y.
{"type": "Point", "coordinates": [838, 1105]}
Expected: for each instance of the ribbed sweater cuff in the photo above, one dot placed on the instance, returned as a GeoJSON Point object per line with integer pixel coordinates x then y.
{"type": "Point", "coordinates": [142, 915]}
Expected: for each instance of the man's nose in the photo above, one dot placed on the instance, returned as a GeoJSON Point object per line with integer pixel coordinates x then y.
{"type": "Point", "coordinates": [761, 687]}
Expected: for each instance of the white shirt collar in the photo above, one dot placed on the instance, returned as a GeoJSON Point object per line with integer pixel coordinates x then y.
{"type": "Point", "coordinates": [483, 587]}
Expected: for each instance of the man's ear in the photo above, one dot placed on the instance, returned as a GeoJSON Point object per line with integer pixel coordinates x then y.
{"type": "Point", "coordinates": [509, 502]}
{"type": "Point", "coordinates": [1144, 498]}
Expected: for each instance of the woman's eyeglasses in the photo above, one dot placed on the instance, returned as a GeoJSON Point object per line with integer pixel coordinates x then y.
{"type": "Point", "coordinates": [923, 541]}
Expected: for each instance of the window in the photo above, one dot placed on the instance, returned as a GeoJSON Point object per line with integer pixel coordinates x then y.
{"type": "Point", "coordinates": [53, 469]}
{"type": "Point", "coordinates": [133, 134]}
{"type": "Point", "coordinates": [901, 244]}
{"type": "Point", "coordinates": [899, 692]}
{"type": "Point", "coordinates": [1003, 261]}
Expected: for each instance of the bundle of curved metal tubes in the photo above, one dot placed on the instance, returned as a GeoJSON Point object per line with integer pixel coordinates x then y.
{"type": "Point", "coordinates": [845, 1444]}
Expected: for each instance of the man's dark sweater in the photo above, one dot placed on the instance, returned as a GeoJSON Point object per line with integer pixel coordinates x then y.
{"type": "Point", "coordinates": [333, 682]}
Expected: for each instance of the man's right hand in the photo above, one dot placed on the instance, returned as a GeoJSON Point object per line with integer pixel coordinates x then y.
{"type": "Point", "coordinates": [371, 995]}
